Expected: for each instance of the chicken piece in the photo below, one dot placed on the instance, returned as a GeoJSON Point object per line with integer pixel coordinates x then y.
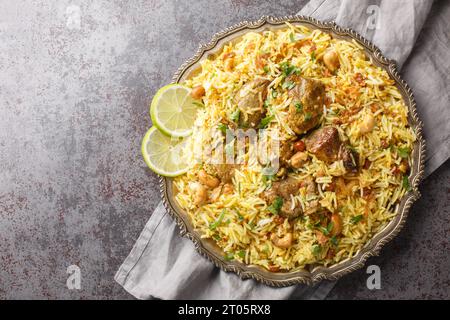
{"type": "Point", "coordinates": [250, 101]}
{"type": "Point", "coordinates": [349, 157]}
{"type": "Point", "coordinates": [306, 108]}
{"type": "Point", "coordinates": [286, 152]}
{"type": "Point", "coordinates": [325, 144]}
{"type": "Point", "coordinates": [284, 189]}
{"type": "Point", "coordinates": [225, 171]}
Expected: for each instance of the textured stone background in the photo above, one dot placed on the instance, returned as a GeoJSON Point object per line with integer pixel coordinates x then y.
{"type": "Point", "coordinates": [74, 98]}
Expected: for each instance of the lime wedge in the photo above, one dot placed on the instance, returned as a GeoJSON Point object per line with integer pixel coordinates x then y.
{"type": "Point", "coordinates": [173, 110]}
{"type": "Point", "coordinates": [163, 154]}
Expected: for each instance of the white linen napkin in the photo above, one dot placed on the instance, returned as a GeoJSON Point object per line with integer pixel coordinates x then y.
{"type": "Point", "coordinates": [164, 265]}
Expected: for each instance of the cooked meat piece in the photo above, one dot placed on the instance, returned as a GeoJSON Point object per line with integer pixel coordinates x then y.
{"type": "Point", "coordinates": [287, 212]}
{"type": "Point", "coordinates": [286, 152]}
{"type": "Point", "coordinates": [306, 108]}
{"type": "Point", "coordinates": [325, 144]}
{"type": "Point", "coordinates": [349, 157]}
{"type": "Point", "coordinates": [250, 101]}
{"type": "Point", "coordinates": [284, 189]}
{"type": "Point", "coordinates": [225, 172]}
{"type": "Point", "coordinates": [299, 159]}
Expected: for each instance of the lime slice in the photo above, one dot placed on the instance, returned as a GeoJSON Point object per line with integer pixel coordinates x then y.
{"type": "Point", "coordinates": [173, 110]}
{"type": "Point", "coordinates": [163, 154]}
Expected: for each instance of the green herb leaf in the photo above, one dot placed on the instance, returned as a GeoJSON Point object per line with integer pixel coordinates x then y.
{"type": "Point", "coordinates": [326, 231]}
{"type": "Point", "coordinates": [222, 127]}
{"type": "Point", "coordinates": [316, 249]}
{"type": "Point", "coordinates": [274, 94]}
{"type": "Point", "coordinates": [292, 37]}
{"type": "Point", "coordinates": [403, 152]}
{"type": "Point", "coordinates": [240, 217]}
{"type": "Point", "coordinates": [235, 115]}
{"type": "Point", "coordinates": [216, 223]}
{"type": "Point", "coordinates": [266, 103]}
{"type": "Point", "coordinates": [198, 104]}
{"type": "Point", "coordinates": [313, 56]}
{"type": "Point", "coordinates": [308, 116]}
{"type": "Point", "coordinates": [266, 69]}
{"type": "Point", "coordinates": [268, 178]}
{"type": "Point", "coordinates": [276, 205]}
{"type": "Point", "coordinates": [265, 121]}
{"type": "Point", "coordinates": [287, 69]}
{"type": "Point", "coordinates": [229, 256]}
{"type": "Point", "coordinates": [288, 85]}
{"type": "Point", "coordinates": [217, 237]}
{"type": "Point", "coordinates": [405, 183]}
{"type": "Point", "coordinates": [299, 106]}
{"type": "Point", "coordinates": [241, 254]}
{"type": "Point", "coordinates": [356, 219]}
{"type": "Point", "coordinates": [334, 241]}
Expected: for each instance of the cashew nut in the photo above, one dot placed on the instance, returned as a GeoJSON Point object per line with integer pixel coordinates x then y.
{"type": "Point", "coordinates": [298, 159]}
{"type": "Point", "coordinates": [284, 242]}
{"type": "Point", "coordinates": [367, 124]}
{"type": "Point", "coordinates": [331, 60]}
{"type": "Point", "coordinates": [207, 179]}
{"type": "Point", "coordinates": [228, 188]}
{"type": "Point", "coordinates": [200, 193]}
{"type": "Point", "coordinates": [228, 64]}
{"type": "Point", "coordinates": [198, 92]}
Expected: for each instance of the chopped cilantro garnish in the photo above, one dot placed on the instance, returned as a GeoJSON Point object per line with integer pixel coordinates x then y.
{"type": "Point", "coordinates": [356, 219]}
{"type": "Point", "coordinates": [287, 69]}
{"type": "Point", "coordinates": [235, 115]}
{"type": "Point", "coordinates": [229, 256]}
{"type": "Point", "coordinates": [276, 205]}
{"type": "Point", "coordinates": [316, 249]}
{"type": "Point", "coordinates": [334, 241]}
{"type": "Point", "coordinates": [268, 177]}
{"type": "Point", "coordinates": [216, 223]}
{"type": "Point", "coordinates": [266, 69]}
{"type": "Point", "coordinates": [403, 152]}
{"type": "Point", "coordinates": [288, 85]}
{"type": "Point", "coordinates": [217, 237]}
{"type": "Point", "coordinates": [241, 254]}
{"type": "Point", "coordinates": [265, 121]}
{"type": "Point", "coordinates": [292, 37]}
{"type": "Point", "coordinates": [299, 106]}
{"type": "Point", "coordinates": [308, 116]}
{"type": "Point", "coordinates": [326, 231]}
{"type": "Point", "coordinates": [313, 56]}
{"type": "Point", "coordinates": [405, 183]}
{"type": "Point", "coordinates": [222, 127]}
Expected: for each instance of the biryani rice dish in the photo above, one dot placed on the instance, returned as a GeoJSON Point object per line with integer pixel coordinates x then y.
{"type": "Point", "coordinates": [344, 149]}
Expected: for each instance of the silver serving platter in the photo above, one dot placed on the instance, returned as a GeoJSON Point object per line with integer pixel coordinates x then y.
{"type": "Point", "coordinates": [211, 251]}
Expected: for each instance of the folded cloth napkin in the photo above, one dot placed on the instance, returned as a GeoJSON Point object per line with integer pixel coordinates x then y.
{"type": "Point", "coordinates": [164, 265]}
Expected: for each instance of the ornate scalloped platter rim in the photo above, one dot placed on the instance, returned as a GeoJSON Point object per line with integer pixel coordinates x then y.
{"type": "Point", "coordinates": [209, 250]}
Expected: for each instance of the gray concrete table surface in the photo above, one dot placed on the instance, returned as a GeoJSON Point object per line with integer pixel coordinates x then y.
{"type": "Point", "coordinates": [76, 79]}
